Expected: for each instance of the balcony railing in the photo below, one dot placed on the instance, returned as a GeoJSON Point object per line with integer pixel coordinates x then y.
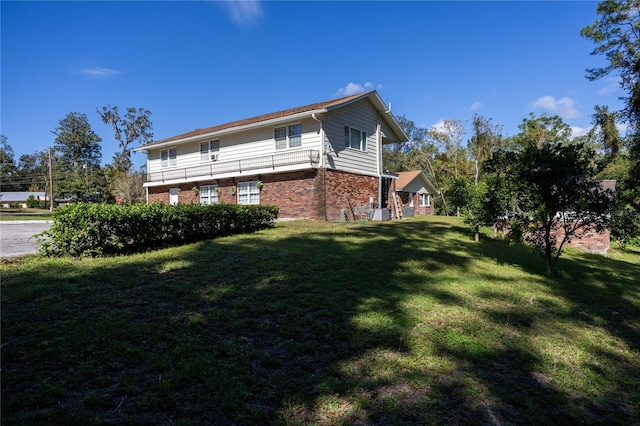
{"type": "Point", "coordinates": [308, 156]}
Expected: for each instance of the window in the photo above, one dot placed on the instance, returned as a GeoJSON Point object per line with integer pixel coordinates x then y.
{"type": "Point", "coordinates": [295, 136]}
{"type": "Point", "coordinates": [209, 194]}
{"type": "Point", "coordinates": [169, 157]}
{"type": "Point", "coordinates": [248, 193]}
{"type": "Point", "coordinates": [354, 138]}
{"type": "Point", "coordinates": [425, 201]}
{"type": "Point", "coordinates": [288, 136]}
{"type": "Point", "coordinates": [209, 150]}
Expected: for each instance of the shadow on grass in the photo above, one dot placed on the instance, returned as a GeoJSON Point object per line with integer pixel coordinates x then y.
{"type": "Point", "coordinates": [293, 327]}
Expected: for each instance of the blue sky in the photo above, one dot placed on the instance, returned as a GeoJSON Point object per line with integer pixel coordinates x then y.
{"type": "Point", "coordinates": [201, 63]}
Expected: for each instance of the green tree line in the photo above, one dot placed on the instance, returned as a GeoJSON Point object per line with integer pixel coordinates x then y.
{"type": "Point", "coordinates": [542, 179]}
{"type": "Point", "coordinates": [73, 163]}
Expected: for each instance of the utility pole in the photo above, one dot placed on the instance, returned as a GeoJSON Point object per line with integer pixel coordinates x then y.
{"type": "Point", "coordinates": [50, 181]}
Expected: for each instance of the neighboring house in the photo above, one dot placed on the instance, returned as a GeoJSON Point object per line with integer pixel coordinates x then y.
{"type": "Point", "coordinates": [415, 193]}
{"type": "Point", "coordinates": [321, 161]}
{"type": "Point", "coordinates": [587, 241]}
{"type": "Point", "coordinates": [591, 241]}
{"type": "Point", "coordinates": [8, 199]}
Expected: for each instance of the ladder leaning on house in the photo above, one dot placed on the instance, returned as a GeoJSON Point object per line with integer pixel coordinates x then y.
{"type": "Point", "coordinates": [397, 206]}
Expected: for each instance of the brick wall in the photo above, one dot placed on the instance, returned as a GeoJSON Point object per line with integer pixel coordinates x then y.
{"type": "Point", "coordinates": [185, 193]}
{"type": "Point", "coordinates": [350, 193]}
{"type": "Point", "coordinates": [590, 241]}
{"type": "Point", "coordinates": [298, 195]}
{"type": "Point", "coordinates": [418, 210]}
{"type": "Point", "coordinates": [309, 194]}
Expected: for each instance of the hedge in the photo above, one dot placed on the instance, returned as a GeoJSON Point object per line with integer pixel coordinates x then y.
{"type": "Point", "coordinates": [90, 229]}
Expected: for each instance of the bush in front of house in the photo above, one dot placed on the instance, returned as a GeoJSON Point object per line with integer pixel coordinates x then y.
{"type": "Point", "coordinates": [90, 229]}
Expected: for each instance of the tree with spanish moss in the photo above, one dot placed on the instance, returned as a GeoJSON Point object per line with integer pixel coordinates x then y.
{"type": "Point", "coordinates": [616, 34]}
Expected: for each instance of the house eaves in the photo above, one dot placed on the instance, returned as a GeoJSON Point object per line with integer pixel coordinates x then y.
{"type": "Point", "coordinates": [277, 118]}
{"type": "Point", "coordinates": [405, 179]}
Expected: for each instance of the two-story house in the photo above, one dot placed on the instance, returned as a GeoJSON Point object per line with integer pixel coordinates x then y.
{"type": "Point", "coordinates": [321, 161]}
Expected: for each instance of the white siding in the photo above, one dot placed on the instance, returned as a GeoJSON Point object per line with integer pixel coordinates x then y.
{"type": "Point", "coordinates": [387, 133]}
{"type": "Point", "coordinates": [248, 144]}
{"type": "Point", "coordinates": [364, 117]}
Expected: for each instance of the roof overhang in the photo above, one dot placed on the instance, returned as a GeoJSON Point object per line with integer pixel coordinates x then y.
{"type": "Point", "coordinates": [231, 130]}
{"type": "Point", "coordinates": [373, 96]}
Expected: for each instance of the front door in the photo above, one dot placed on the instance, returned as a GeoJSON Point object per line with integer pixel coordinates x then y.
{"type": "Point", "coordinates": [173, 196]}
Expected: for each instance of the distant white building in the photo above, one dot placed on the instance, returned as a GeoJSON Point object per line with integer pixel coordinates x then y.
{"type": "Point", "coordinates": [20, 198]}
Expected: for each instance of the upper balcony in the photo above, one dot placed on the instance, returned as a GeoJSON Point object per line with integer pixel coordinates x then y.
{"type": "Point", "coordinates": [218, 169]}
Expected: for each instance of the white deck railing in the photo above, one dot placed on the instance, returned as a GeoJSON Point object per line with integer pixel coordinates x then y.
{"type": "Point", "coordinates": [217, 168]}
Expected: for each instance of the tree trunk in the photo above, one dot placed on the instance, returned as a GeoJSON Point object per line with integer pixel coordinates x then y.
{"type": "Point", "coordinates": [549, 260]}
{"type": "Point", "coordinates": [477, 172]}
{"type": "Point", "coordinates": [477, 237]}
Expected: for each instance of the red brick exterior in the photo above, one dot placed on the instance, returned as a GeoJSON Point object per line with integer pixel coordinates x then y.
{"type": "Point", "coordinates": [317, 194]}
{"type": "Point", "coordinates": [418, 210]}
{"type": "Point", "coordinates": [591, 241]}
{"type": "Point", "coordinates": [348, 196]}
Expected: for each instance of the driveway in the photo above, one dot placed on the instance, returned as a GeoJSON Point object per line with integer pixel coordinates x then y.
{"type": "Point", "coordinates": [15, 236]}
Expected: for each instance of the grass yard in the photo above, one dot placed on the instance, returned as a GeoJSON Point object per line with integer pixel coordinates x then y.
{"type": "Point", "coordinates": [383, 323]}
{"type": "Point", "coordinates": [7, 214]}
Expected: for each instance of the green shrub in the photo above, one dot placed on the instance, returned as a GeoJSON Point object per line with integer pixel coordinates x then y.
{"type": "Point", "coordinates": [32, 202]}
{"type": "Point", "coordinates": [90, 229]}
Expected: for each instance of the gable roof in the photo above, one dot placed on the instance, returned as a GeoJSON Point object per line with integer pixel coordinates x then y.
{"type": "Point", "coordinates": [407, 178]}
{"type": "Point", "coordinates": [315, 108]}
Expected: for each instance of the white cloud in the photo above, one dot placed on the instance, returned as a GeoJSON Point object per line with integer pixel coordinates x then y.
{"type": "Point", "coordinates": [579, 131]}
{"type": "Point", "coordinates": [98, 72]}
{"type": "Point", "coordinates": [353, 88]}
{"type": "Point", "coordinates": [245, 13]}
{"type": "Point", "coordinates": [611, 85]}
{"type": "Point", "coordinates": [439, 126]}
{"type": "Point", "coordinates": [622, 127]}
{"type": "Point", "coordinates": [474, 106]}
{"type": "Point", "coordinates": [563, 106]}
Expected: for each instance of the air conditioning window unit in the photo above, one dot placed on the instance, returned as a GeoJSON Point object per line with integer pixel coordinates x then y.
{"type": "Point", "coordinates": [214, 157]}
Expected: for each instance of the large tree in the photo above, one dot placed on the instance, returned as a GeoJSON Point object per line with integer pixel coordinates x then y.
{"type": "Point", "coordinates": [486, 138]}
{"type": "Point", "coordinates": [7, 166]}
{"type": "Point", "coordinates": [605, 130]}
{"type": "Point", "coordinates": [394, 155]}
{"type": "Point", "coordinates": [449, 137]}
{"type": "Point", "coordinates": [422, 153]}
{"type": "Point", "coordinates": [77, 149]}
{"type": "Point", "coordinates": [548, 191]}
{"type": "Point", "coordinates": [616, 35]}
{"type": "Point", "coordinates": [134, 126]}
{"type": "Point", "coordinates": [33, 170]}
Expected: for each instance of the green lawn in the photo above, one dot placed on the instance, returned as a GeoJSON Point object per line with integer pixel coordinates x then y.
{"type": "Point", "coordinates": [7, 214]}
{"type": "Point", "coordinates": [381, 323]}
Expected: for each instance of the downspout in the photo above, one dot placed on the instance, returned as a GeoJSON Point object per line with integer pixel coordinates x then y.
{"type": "Point", "coordinates": [146, 190]}
{"type": "Point", "coordinates": [379, 161]}
{"type": "Point", "coordinates": [322, 141]}
{"type": "Point", "coordinates": [322, 163]}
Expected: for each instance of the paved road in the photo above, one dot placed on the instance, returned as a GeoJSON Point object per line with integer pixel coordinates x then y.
{"type": "Point", "coordinates": [15, 237]}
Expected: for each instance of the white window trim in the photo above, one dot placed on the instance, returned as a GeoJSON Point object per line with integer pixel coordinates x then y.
{"type": "Point", "coordinates": [213, 147]}
{"type": "Point", "coordinates": [251, 190]}
{"type": "Point", "coordinates": [170, 161]}
{"type": "Point", "coordinates": [211, 197]}
{"type": "Point", "coordinates": [362, 143]}
{"type": "Point", "coordinates": [287, 136]}
{"type": "Point", "coordinates": [424, 195]}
